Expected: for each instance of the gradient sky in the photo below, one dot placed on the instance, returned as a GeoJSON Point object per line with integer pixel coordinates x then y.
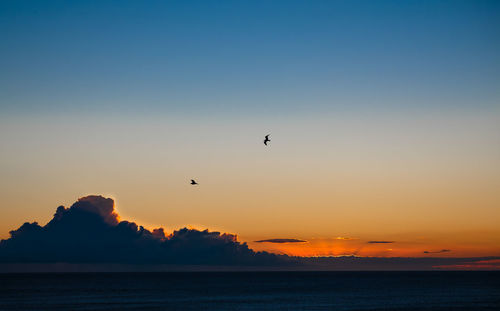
{"type": "Point", "coordinates": [384, 119]}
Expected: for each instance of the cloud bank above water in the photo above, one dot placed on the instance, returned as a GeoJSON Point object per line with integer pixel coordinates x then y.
{"type": "Point", "coordinates": [90, 232]}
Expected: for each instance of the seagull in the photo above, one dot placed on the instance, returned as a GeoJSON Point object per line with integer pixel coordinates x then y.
{"type": "Point", "coordinates": [267, 139]}
{"type": "Point", "coordinates": [193, 182]}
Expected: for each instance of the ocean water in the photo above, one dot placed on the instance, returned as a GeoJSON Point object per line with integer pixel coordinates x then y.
{"type": "Point", "coordinates": [252, 291]}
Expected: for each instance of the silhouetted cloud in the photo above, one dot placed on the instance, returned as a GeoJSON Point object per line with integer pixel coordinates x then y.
{"type": "Point", "coordinates": [437, 252]}
{"type": "Point", "coordinates": [380, 242]}
{"type": "Point", "coordinates": [90, 232]}
{"type": "Point", "coordinates": [281, 241]}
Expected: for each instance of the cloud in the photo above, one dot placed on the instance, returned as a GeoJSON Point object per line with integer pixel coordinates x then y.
{"type": "Point", "coordinates": [437, 252]}
{"type": "Point", "coordinates": [281, 241]}
{"type": "Point", "coordinates": [380, 242]}
{"type": "Point", "coordinates": [90, 232]}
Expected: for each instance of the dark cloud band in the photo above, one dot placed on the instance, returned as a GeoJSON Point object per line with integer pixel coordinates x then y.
{"type": "Point", "coordinates": [380, 242]}
{"type": "Point", "coordinates": [437, 252]}
{"type": "Point", "coordinates": [90, 232]}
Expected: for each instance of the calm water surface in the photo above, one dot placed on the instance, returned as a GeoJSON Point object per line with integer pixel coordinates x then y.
{"type": "Point", "coordinates": [252, 291]}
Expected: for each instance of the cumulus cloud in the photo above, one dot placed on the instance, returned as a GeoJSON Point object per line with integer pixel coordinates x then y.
{"type": "Point", "coordinates": [281, 241]}
{"type": "Point", "coordinates": [437, 252]}
{"type": "Point", "coordinates": [90, 232]}
{"type": "Point", "coordinates": [380, 242]}
{"type": "Point", "coordinates": [104, 207]}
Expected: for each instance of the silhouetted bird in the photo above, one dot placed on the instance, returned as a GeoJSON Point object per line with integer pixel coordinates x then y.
{"type": "Point", "coordinates": [193, 182]}
{"type": "Point", "coordinates": [267, 139]}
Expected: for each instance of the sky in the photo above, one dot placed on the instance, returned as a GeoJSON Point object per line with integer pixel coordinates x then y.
{"type": "Point", "coordinates": [384, 119]}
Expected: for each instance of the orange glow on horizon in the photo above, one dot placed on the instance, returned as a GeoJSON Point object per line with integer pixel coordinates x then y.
{"type": "Point", "coordinates": [335, 247]}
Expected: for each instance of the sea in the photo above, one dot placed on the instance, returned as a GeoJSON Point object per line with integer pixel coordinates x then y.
{"type": "Point", "coordinates": [429, 290]}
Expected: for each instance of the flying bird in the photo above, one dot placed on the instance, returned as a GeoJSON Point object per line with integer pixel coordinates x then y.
{"type": "Point", "coordinates": [193, 182]}
{"type": "Point", "coordinates": [267, 139]}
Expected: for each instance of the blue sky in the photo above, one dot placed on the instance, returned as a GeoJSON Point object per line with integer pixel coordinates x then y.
{"type": "Point", "coordinates": [233, 58]}
{"type": "Point", "coordinates": [384, 116]}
